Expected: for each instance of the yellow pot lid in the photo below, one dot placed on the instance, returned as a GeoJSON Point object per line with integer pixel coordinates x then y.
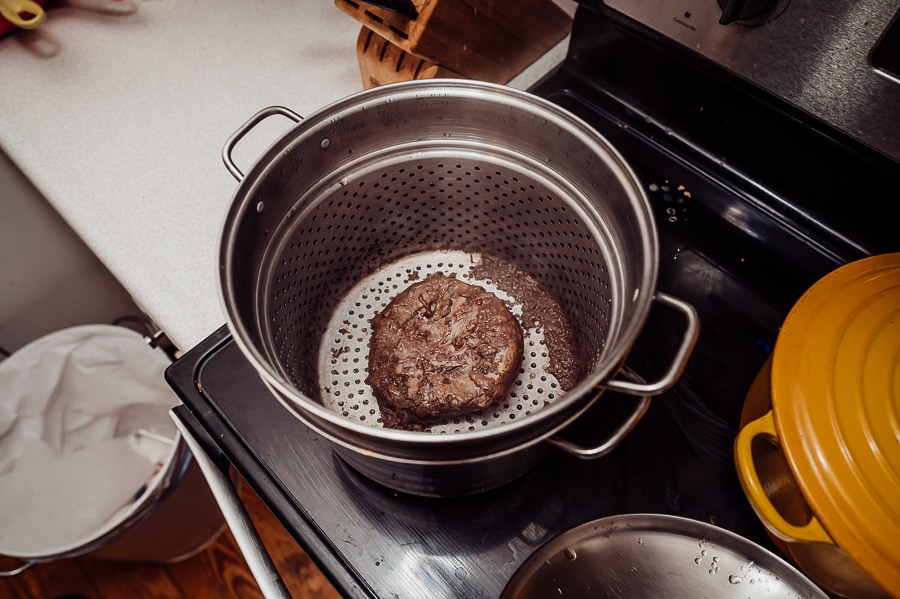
{"type": "Point", "coordinates": [836, 403]}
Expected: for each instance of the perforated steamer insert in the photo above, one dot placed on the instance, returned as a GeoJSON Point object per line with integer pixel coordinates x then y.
{"type": "Point", "coordinates": [418, 206]}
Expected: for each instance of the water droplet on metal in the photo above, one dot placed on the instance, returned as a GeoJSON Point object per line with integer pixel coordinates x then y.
{"type": "Point", "coordinates": [570, 553]}
{"type": "Point", "coordinates": [698, 560]}
{"type": "Point", "coordinates": [461, 573]}
{"type": "Point", "coordinates": [734, 579]}
{"type": "Point", "coordinates": [325, 143]}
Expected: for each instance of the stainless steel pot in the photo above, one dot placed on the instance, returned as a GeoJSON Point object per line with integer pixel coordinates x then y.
{"type": "Point", "coordinates": [77, 391]}
{"type": "Point", "coordinates": [396, 182]}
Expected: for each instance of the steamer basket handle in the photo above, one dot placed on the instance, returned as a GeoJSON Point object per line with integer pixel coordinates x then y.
{"type": "Point", "coordinates": [251, 546]}
{"type": "Point", "coordinates": [238, 135]}
{"type": "Point", "coordinates": [772, 519]}
{"type": "Point", "coordinates": [692, 330]}
{"type": "Point", "coordinates": [613, 440]}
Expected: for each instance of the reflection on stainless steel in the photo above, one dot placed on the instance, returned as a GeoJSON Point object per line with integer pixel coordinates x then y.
{"type": "Point", "coordinates": [812, 54]}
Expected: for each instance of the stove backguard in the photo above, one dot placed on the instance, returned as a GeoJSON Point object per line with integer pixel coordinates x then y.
{"type": "Point", "coordinates": [832, 59]}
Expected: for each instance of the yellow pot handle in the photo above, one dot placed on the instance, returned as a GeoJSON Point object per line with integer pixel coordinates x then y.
{"type": "Point", "coordinates": [13, 11]}
{"type": "Point", "coordinates": [771, 518]}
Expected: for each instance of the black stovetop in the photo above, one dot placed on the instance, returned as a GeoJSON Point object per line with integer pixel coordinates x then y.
{"type": "Point", "coordinates": [746, 225]}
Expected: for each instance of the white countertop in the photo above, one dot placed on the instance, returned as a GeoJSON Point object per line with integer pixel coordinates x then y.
{"type": "Point", "coordinates": [118, 111]}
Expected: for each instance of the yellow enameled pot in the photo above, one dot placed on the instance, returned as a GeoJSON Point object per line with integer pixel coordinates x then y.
{"type": "Point", "coordinates": [818, 454]}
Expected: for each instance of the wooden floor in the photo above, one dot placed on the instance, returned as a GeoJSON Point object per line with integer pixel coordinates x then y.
{"type": "Point", "coordinates": [218, 572]}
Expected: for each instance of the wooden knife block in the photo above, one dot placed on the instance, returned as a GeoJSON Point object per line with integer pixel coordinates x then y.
{"type": "Point", "coordinates": [489, 40]}
{"type": "Point", "coordinates": [381, 62]}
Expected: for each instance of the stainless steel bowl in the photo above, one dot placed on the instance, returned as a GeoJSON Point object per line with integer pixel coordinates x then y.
{"type": "Point", "coordinates": [653, 555]}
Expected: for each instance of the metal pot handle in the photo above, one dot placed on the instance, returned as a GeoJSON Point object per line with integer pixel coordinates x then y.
{"type": "Point", "coordinates": [774, 522]}
{"type": "Point", "coordinates": [16, 571]}
{"type": "Point", "coordinates": [613, 440]}
{"type": "Point", "coordinates": [246, 128]}
{"type": "Point", "coordinates": [251, 546]}
{"type": "Point", "coordinates": [668, 379]}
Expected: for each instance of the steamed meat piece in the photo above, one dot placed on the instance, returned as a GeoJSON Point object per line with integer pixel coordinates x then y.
{"type": "Point", "coordinates": [441, 348]}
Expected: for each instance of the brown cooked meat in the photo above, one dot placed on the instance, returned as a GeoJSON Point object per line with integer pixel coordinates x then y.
{"type": "Point", "coordinates": [440, 349]}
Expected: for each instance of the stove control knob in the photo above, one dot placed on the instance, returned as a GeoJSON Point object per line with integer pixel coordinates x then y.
{"type": "Point", "coordinates": [738, 10]}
